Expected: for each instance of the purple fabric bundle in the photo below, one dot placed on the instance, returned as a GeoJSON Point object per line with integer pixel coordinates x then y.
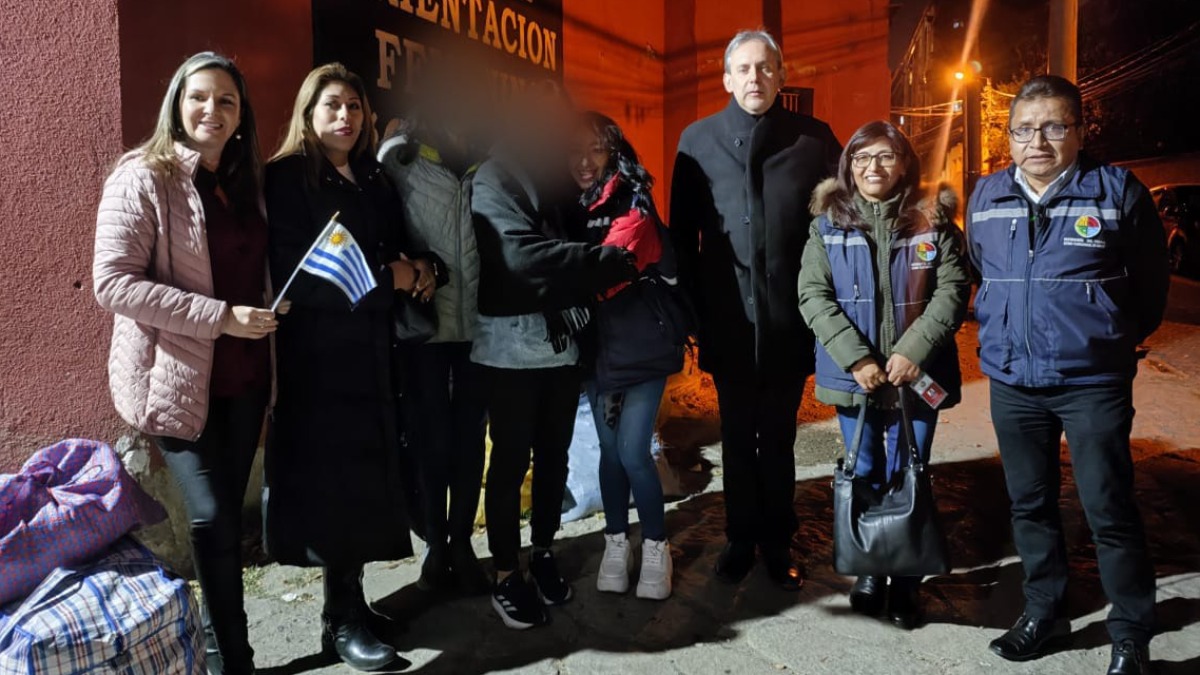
{"type": "Point", "coordinates": [69, 502]}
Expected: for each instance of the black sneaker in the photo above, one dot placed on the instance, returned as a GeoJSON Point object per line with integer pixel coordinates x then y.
{"type": "Point", "coordinates": [517, 603]}
{"type": "Point", "coordinates": [550, 585]}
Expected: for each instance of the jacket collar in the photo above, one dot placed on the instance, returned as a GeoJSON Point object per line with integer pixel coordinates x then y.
{"type": "Point", "coordinates": [189, 159]}
{"type": "Point", "coordinates": [738, 121]}
{"type": "Point", "coordinates": [610, 188]}
{"type": "Point", "coordinates": [1083, 182]}
{"type": "Point", "coordinates": [888, 208]}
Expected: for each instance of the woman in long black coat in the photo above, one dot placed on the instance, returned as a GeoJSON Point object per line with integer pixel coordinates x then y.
{"type": "Point", "coordinates": [333, 461]}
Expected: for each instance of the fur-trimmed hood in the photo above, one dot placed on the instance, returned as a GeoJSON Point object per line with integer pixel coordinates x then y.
{"type": "Point", "coordinates": [939, 204]}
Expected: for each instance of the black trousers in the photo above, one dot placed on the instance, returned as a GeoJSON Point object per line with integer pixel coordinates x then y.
{"type": "Point", "coordinates": [1097, 420]}
{"type": "Point", "coordinates": [758, 435]}
{"type": "Point", "coordinates": [449, 417]}
{"type": "Point", "coordinates": [529, 410]}
{"type": "Point", "coordinates": [212, 473]}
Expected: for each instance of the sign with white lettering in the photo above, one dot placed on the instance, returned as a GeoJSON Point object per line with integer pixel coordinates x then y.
{"type": "Point", "coordinates": [386, 41]}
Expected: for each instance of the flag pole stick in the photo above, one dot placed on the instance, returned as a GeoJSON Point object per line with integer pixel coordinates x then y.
{"type": "Point", "coordinates": [331, 223]}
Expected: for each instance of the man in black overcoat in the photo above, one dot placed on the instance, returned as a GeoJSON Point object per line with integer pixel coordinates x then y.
{"type": "Point", "coordinates": [739, 219]}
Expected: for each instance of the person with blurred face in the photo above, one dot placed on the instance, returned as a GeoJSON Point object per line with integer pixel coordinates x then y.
{"type": "Point", "coordinates": [739, 220]}
{"type": "Point", "coordinates": [180, 260]}
{"type": "Point", "coordinates": [884, 287]}
{"type": "Point", "coordinates": [335, 493]}
{"type": "Point", "coordinates": [1074, 270]}
{"type": "Point", "coordinates": [535, 287]}
{"type": "Point", "coordinates": [432, 160]}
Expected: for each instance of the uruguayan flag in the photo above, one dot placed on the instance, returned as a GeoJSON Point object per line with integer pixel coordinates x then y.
{"type": "Point", "coordinates": [337, 259]}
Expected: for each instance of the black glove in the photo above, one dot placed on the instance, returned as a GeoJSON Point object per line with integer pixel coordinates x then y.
{"type": "Point", "coordinates": [614, 265]}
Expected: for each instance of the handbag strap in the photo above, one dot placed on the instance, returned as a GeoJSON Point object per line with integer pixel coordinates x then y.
{"type": "Point", "coordinates": [852, 449]}
{"type": "Point", "coordinates": [914, 457]}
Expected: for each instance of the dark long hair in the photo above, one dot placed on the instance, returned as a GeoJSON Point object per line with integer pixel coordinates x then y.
{"type": "Point", "coordinates": [301, 139]}
{"type": "Point", "coordinates": [240, 170]}
{"type": "Point", "coordinates": [842, 210]}
{"type": "Point", "coordinates": [622, 158]}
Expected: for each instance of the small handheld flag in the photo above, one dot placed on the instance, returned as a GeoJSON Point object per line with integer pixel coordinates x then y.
{"type": "Point", "coordinates": [336, 258]}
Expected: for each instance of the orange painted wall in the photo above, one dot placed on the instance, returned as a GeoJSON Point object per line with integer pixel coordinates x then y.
{"type": "Point", "coordinates": [838, 49]}
{"type": "Point", "coordinates": [613, 63]}
{"type": "Point", "coordinates": [157, 36]}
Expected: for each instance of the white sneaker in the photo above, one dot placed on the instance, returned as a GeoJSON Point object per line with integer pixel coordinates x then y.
{"type": "Point", "coordinates": [614, 567]}
{"type": "Point", "coordinates": [655, 581]}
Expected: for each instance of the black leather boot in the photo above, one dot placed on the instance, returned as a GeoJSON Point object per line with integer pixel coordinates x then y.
{"type": "Point", "coordinates": [353, 642]}
{"type": "Point", "coordinates": [237, 658]}
{"type": "Point", "coordinates": [346, 630]}
{"type": "Point", "coordinates": [868, 595]}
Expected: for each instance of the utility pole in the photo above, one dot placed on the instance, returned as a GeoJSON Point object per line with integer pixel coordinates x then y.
{"type": "Point", "coordinates": [973, 132]}
{"type": "Point", "coordinates": [1064, 38]}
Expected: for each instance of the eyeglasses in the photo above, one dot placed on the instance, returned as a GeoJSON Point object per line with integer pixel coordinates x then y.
{"type": "Point", "coordinates": [1051, 131]}
{"type": "Point", "coordinates": [886, 159]}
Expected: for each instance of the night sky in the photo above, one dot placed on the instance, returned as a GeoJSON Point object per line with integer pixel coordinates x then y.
{"type": "Point", "coordinates": [1139, 60]}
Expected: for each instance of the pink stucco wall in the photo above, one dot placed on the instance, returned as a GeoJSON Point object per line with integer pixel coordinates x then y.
{"type": "Point", "coordinates": [84, 81]}
{"type": "Point", "coordinates": [61, 131]}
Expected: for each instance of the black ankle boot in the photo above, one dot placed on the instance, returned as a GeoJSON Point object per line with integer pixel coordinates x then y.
{"type": "Point", "coordinates": [354, 643]}
{"type": "Point", "coordinates": [346, 631]}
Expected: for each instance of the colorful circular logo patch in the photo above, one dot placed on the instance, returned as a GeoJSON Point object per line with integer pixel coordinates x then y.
{"type": "Point", "coordinates": [1087, 226]}
{"type": "Point", "coordinates": [926, 251]}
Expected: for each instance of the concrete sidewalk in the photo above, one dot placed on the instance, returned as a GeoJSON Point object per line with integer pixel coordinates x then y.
{"type": "Point", "coordinates": [710, 627]}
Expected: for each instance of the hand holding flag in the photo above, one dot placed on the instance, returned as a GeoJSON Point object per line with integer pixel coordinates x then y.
{"type": "Point", "coordinates": [336, 258]}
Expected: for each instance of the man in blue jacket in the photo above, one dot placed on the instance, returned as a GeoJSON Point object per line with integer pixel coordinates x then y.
{"type": "Point", "coordinates": [1074, 271]}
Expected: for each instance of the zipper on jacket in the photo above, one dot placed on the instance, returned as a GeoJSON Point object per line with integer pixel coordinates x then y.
{"type": "Point", "coordinates": [1035, 223]}
{"type": "Point", "coordinates": [1091, 294]}
{"type": "Point", "coordinates": [458, 260]}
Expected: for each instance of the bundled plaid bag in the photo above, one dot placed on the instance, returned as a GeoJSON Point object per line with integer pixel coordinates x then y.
{"type": "Point", "coordinates": [122, 613]}
{"type": "Point", "coordinates": [70, 501]}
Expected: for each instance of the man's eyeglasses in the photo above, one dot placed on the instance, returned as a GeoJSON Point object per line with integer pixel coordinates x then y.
{"type": "Point", "coordinates": [1051, 131]}
{"type": "Point", "coordinates": [886, 159]}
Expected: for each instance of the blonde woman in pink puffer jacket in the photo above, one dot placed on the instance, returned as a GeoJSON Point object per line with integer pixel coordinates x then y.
{"type": "Point", "coordinates": [180, 261]}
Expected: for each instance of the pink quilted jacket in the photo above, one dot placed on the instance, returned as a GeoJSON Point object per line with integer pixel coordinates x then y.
{"type": "Point", "coordinates": [152, 271]}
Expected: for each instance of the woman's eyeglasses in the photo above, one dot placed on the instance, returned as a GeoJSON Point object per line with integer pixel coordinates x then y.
{"type": "Point", "coordinates": [886, 159]}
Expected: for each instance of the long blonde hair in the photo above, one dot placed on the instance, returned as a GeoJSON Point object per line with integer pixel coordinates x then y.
{"type": "Point", "coordinates": [240, 170]}
{"type": "Point", "coordinates": [302, 140]}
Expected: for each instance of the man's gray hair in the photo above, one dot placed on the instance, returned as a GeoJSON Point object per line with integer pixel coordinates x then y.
{"type": "Point", "coordinates": [749, 36]}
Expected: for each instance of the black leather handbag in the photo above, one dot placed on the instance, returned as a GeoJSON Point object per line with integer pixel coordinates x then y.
{"type": "Point", "coordinates": [889, 531]}
{"type": "Point", "coordinates": [413, 321]}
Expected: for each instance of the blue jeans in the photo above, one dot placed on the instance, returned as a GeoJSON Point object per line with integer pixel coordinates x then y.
{"type": "Point", "coordinates": [625, 460]}
{"type": "Point", "coordinates": [877, 456]}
